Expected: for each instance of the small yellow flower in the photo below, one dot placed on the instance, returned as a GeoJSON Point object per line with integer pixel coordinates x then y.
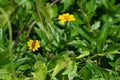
{"type": "Point", "coordinates": [33, 44]}
{"type": "Point", "coordinates": [66, 17]}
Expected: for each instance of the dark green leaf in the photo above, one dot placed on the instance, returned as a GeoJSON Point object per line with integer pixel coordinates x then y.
{"type": "Point", "coordinates": [102, 36]}
{"type": "Point", "coordinates": [82, 32]}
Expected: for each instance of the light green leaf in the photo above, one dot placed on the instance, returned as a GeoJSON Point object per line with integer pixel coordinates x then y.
{"type": "Point", "coordinates": [78, 43]}
{"type": "Point", "coordinates": [96, 25]}
{"type": "Point", "coordinates": [61, 64]}
{"type": "Point", "coordinates": [71, 70]}
{"type": "Point", "coordinates": [40, 69]}
{"type": "Point", "coordinates": [5, 75]}
{"type": "Point", "coordinates": [110, 56]}
{"type": "Point", "coordinates": [84, 54]}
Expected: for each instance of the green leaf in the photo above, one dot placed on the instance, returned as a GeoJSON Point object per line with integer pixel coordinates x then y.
{"type": "Point", "coordinates": [3, 3]}
{"type": "Point", "coordinates": [24, 67]}
{"type": "Point", "coordinates": [4, 15]}
{"type": "Point", "coordinates": [20, 2]}
{"type": "Point", "coordinates": [5, 57]}
{"type": "Point", "coordinates": [53, 11]}
{"type": "Point", "coordinates": [105, 3]}
{"type": "Point", "coordinates": [5, 75]}
{"type": "Point", "coordinates": [113, 47]}
{"type": "Point", "coordinates": [82, 32]}
{"type": "Point", "coordinates": [96, 25]}
{"type": "Point", "coordinates": [71, 70]}
{"type": "Point", "coordinates": [102, 36]}
{"type": "Point", "coordinates": [21, 61]}
{"type": "Point", "coordinates": [85, 73]}
{"type": "Point", "coordinates": [84, 54]}
{"type": "Point", "coordinates": [61, 64]}
{"type": "Point", "coordinates": [91, 6]}
{"type": "Point", "coordinates": [40, 69]}
{"type": "Point", "coordinates": [78, 43]}
{"type": "Point", "coordinates": [110, 56]}
{"type": "Point", "coordinates": [40, 33]}
{"type": "Point", "coordinates": [67, 4]}
{"type": "Point", "coordinates": [55, 34]}
{"type": "Point", "coordinates": [92, 72]}
{"type": "Point", "coordinates": [1, 38]}
{"type": "Point", "coordinates": [98, 72]}
{"type": "Point", "coordinates": [42, 8]}
{"type": "Point", "coordinates": [117, 64]}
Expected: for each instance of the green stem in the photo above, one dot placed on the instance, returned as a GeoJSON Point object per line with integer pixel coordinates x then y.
{"type": "Point", "coordinates": [103, 54]}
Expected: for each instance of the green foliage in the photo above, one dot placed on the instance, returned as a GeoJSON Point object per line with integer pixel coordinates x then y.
{"type": "Point", "coordinates": [67, 4]}
{"type": "Point", "coordinates": [85, 49]}
{"type": "Point", "coordinates": [102, 36]}
{"type": "Point", "coordinates": [61, 64]}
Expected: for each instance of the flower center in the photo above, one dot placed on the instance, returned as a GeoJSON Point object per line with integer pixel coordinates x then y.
{"type": "Point", "coordinates": [33, 44]}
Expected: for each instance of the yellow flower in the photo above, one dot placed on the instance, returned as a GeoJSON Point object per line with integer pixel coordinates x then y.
{"type": "Point", "coordinates": [33, 44]}
{"type": "Point", "coordinates": [66, 17]}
